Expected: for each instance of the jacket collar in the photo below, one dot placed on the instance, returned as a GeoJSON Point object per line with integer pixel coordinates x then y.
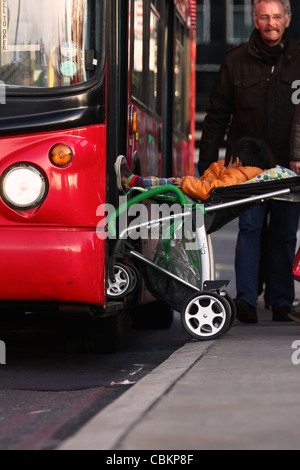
{"type": "Point", "coordinates": [291, 48]}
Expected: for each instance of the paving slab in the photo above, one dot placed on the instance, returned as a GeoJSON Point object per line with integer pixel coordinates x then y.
{"type": "Point", "coordinates": [239, 392]}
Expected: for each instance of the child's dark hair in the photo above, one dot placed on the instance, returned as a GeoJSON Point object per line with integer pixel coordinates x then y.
{"type": "Point", "coordinates": [251, 152]}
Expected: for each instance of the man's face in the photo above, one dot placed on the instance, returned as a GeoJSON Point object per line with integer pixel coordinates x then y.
{"type": "Point", "coordinates": [271, 21]}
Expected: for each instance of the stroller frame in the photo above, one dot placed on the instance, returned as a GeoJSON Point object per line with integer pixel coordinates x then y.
{"type": "Point", "coordinates": [208, 311]}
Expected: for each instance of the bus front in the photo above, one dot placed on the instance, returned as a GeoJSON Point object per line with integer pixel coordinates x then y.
{"type": "Point", "coordinates": [53, 151]}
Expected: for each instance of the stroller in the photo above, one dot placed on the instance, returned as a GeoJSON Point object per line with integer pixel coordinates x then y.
{"type": "Point", "coordinates": [181, 273]}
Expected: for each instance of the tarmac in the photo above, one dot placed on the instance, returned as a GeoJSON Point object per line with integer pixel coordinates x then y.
{"type": "Point", "coordinates": [239, 392]}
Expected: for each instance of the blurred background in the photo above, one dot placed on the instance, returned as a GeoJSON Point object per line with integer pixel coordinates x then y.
{"type": "Point", "coordinates": [221, 25]}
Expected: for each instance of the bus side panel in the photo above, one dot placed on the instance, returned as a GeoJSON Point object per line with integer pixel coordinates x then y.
{"type": "Point", "coordinates": [181, 157]}
{"type": "Point", "coordinates": [52, 265]}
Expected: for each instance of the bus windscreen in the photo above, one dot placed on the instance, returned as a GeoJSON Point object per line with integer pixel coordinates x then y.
{"type": "Point", "coordinates": [49, 43]}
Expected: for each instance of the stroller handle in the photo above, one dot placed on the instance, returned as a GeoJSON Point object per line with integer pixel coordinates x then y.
{"type": "Point", "coordinates": [142, 197]}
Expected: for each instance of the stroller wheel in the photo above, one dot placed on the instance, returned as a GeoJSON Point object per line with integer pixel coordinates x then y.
{"type": "Point", "coordinates": [135, 279]}
{"type": "Point", "coordinates": [126, 281]}
{"type": "Point", "coordinates": [232, 309]}
{"type": "Point", "coordinates": [206, 316]}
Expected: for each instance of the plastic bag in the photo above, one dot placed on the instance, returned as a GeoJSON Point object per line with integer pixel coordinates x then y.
{"type": "Point", "coordinates": [174, 253]}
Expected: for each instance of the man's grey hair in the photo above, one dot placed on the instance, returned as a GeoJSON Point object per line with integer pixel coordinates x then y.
{"type": "Point", "coordinates": [286, 5]}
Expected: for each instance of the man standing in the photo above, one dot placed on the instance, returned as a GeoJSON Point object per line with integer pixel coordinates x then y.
{"type": "Point", "coordinates": [252, 97]}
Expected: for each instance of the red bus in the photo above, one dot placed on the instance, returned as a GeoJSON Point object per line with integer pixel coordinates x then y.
{"type": "Point", "coordinates": [85, 81]}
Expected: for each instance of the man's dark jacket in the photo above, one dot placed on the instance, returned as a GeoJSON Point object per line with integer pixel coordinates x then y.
{"type": "Point", "coordinates": [258, 99]}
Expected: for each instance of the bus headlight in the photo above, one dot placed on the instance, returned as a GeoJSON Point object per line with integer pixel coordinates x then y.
{"type": "Point", "coordinates": [23, 186]}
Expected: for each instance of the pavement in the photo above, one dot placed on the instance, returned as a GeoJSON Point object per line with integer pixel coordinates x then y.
{"type": "Point", "coordinates": [239, 392]}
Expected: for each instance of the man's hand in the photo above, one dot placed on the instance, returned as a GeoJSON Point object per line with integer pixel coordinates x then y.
{"type": "Point", "coordinates": [295, 166]}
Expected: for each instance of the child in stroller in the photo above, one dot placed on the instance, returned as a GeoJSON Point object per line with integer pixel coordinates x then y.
{"type": "Point", "coordinates": [248, 161]}
{"type": "Point", "coordinates": [187, 261]}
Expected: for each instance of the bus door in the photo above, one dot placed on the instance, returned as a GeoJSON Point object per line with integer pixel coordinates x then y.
{"type": "Point", "coordinates": [158, 133]}
{"type": "Point", "coordinates": [145, 90]}
{"type": "Point", "coordinates": [161, 88]}
{"type": "Point", "coordinates": [184, 91]}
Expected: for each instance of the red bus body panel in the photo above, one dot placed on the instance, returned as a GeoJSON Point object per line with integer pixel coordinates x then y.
{"type": "Point", "coordinates": [52, 252]}
{"type": "Point", "coordinates": [51, 265]}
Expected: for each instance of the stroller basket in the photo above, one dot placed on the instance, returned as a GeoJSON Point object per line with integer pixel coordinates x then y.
{"type": "Point", "coordinates": [181, 272]}
{"type": "Point", "coordinates": [176, 273]}
{"type": "Point", "coordinates": [164, 288]}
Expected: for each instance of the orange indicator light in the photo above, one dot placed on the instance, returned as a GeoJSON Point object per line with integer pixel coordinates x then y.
{"type": "Point", "coordinates": [61, 155]}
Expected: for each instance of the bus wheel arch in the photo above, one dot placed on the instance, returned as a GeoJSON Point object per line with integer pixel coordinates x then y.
{"type": "Point", "coordinates": [96, 334]}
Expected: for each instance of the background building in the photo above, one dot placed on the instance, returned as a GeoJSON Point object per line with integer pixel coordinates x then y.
{"type": "Point", "coordinates": [221, 24]}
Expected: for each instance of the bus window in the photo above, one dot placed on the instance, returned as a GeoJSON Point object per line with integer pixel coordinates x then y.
{"type": "Point", "coordinates": [181, 74]}
{"type": "Point", "coordinates": [154, 63]}
{"type": "Point", "coordinates": [137, 75]}
{"type": "Point", "coordinates": [50, 44]}
{"type": "Point", "coordinates": [146, 55]}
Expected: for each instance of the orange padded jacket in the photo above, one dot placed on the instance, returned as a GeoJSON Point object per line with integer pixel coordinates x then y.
{"type": "Point", "coordinates": [217, 175]}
